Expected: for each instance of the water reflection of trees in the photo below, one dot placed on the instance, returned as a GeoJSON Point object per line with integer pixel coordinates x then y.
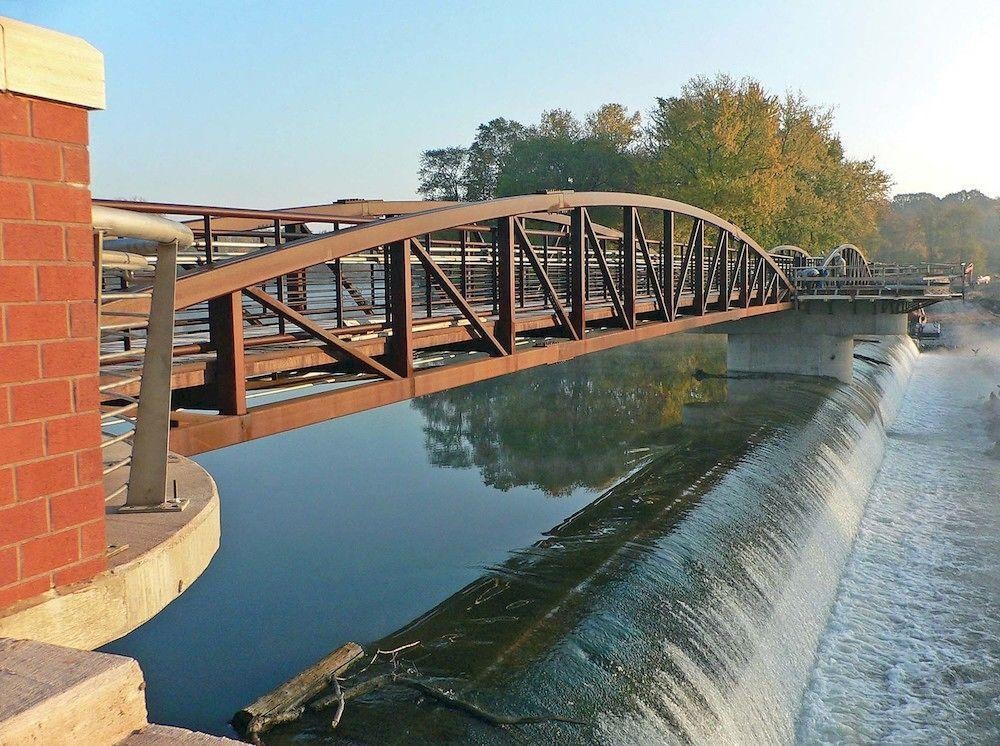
{"type": "Point", "coordinates": [572, 425]}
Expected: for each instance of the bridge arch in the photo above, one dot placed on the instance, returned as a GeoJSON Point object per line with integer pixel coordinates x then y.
{"type": "Point", "coordinates": [553, 283]}
{"type": "Point", "coordinates": [854, 261]}
{"type": "Point", "coordinates": [265, 265]}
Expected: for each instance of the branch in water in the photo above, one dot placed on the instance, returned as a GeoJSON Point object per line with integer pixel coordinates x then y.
{"type": "Point", "coordinates": [378, 682]}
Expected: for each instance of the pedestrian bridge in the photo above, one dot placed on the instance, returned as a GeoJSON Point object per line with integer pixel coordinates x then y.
{"type": "Point", "coordinates": [283, 318]}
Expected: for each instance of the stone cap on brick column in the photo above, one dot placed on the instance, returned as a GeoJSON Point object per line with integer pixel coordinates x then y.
{"type": "Point", "coordinates": [39, 62]}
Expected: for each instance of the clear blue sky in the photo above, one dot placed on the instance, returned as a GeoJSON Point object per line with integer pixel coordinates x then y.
{"type": "Point", "coordinates": [268, 104]}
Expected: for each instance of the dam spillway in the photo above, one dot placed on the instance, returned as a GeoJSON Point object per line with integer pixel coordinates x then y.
{"type": "Point", "coordinates": [682, 599]}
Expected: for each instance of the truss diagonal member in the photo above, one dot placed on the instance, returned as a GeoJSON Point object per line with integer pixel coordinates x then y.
{"type": "Point", "coordinates": [543, 277]}
{"type": "Point", "coordinates": [341, 349]}
{"type": "Point", "coordinates": [738, 276]}
{"type": "Point", "coordinates": [720, 248]}
{"type": "Point", "coordinates": [758, 280]}
{"type": "Point", "coordinates": [602, 262]}
{"type": "Point", "coordinates": [651, 273]}
{"type": "Point", "coordinates": [693, 241]}
{"type": "Point", "coordinates": [456, 297]}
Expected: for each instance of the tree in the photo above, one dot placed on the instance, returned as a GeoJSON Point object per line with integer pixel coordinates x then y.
{"type": "Point", "coordinates": [442, 173]}
{"type": "Point", "coordinates": [487, 156]}
{"type": "Point", "coordinates": [772, 166]}
{"type": "Point", "coordinates": [919, 227]}
{"type": "Point", "coordinates": [559, 124]}
{"type": "Point", "coordinates": [585, 164]}
{"type": "Point", "coordinates": [613, 124]}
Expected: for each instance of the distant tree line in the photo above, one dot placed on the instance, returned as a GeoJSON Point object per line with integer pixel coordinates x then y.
{"type": "Point", "coordinates": [964, 226]}
{"type": "Point", "coordinates": [770, 164]}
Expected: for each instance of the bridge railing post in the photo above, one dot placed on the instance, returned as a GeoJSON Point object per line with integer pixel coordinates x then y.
{"type": "Point", "coordinates": [401, 302]}
{"type": "Point", "coordinates": [225, 330]}
{"type": "Point", "coordinates": [628, 268]}
{"type": "Point", "coordinates": [147, 482]}
{"type": "Point", "coordinates": [578, 271]}
{"type": "Point", "coordinates": [505, 283]}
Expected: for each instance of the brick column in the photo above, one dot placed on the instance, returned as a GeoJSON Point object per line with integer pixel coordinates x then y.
{"type": "Point", "coordinates": [51, 493]}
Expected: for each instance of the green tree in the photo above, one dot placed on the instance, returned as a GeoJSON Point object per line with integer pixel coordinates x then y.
{"type": "Point", "coordinates": [488, 154]}
{"type": "Point", "coordinates": [585, 164]}
{"type": "Point", "coordinates": [772, 166]}
{"type": "Point", "coordinates": [613, 124]}
{"type": "Point", "coordinates": [442, 173]}
{"type": "Point", "coordinates": [560, 124]}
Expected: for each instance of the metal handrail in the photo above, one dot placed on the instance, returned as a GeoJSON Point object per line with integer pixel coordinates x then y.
{"type": "Point", "coordinates": [147, 460]}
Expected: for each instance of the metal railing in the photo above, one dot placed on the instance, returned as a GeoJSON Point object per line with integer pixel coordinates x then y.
{"type": "Point", "coordinates": [135, 427]}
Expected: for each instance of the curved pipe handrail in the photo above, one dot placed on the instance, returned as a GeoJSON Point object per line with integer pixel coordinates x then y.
{"type": "Point", "coordinates": [789, 250]}
{"type": "Point", "coordinates": [129, 224]}
{"type": "Point", "coordinates": [844, 250]}
{"type": "Point", "coordinates": [261, 266]}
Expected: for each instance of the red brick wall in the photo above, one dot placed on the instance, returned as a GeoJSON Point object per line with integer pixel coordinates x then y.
{"type": "Point", "coordinates": [51, 496]}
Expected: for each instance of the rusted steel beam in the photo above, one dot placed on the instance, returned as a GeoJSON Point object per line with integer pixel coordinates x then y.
{"type": "Point", "coordinates": [720, 247]}
{"type": "Point", "coordinates": [506, 330]}
{"type": "Point", "coordinates": [541, 270]}
{"type": "Point", "coordinates": [740, 275]}
{"type": "Point", "coordinates": [225, 329]}
{"type": "Point", "coordinates": [577, 280]}
{"type": "Point", "coordinates": [311, 250]}
{"type": "Point", "coordinates": [431, 267]}
{"type": "Point", "coordinates": [400, 346]}
{"type": "Point", "coordinates": [628, 265]}
{"type": "Point", "coordinates": [698, 271]}
{"type": "Point", "coordinates": [268, 419]}
{"type": "Point", "coordinates": [651, 273]}
{"type": "Point", "coordinates": [341, 349]}
{"type": "Point", "coordinates": [694, 240]}
{"type": "Point", "coordinates": [723, 270]}
{"type": "Point", "coordinates": [667, 262]}
{"type": "Point", "coordinates": [756, 283]}
{"type": "Point", "coordinates": [602, 263]}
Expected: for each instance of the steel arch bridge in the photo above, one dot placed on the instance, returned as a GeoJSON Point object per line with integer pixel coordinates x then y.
{"type": "Point", "coordinates": [395, 300]}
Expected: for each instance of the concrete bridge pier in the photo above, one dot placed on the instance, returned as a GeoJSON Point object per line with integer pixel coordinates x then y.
{"type": "Point", "coordinates": [814, 340]}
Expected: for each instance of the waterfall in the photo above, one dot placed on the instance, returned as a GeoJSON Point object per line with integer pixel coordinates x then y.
{"type": "Point", "coordinates": [710, 637]}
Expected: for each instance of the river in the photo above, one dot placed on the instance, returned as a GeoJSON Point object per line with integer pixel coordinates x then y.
{"type": "Point", "coordinates": [666, 555]}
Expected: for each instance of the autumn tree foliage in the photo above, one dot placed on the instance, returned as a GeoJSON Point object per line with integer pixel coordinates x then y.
{"type": "Point", "coordinates": [772, 164]}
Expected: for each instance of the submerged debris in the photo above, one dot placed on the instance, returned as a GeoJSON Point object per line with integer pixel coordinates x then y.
{"type": "Point", "coordinates": [289, 701]}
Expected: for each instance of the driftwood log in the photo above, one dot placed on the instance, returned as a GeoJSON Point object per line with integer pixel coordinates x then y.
{"type": "Point", "coordinates": [288, 701]}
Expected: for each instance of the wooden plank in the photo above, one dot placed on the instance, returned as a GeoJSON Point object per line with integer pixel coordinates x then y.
{"type": "Point", "coordinates": [255, 718]}
{"type": "Point", "coordinates": [339, 347]}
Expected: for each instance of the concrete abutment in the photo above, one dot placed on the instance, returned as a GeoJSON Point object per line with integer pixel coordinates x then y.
{"type": "Point", "coordinates": [815, 340]}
